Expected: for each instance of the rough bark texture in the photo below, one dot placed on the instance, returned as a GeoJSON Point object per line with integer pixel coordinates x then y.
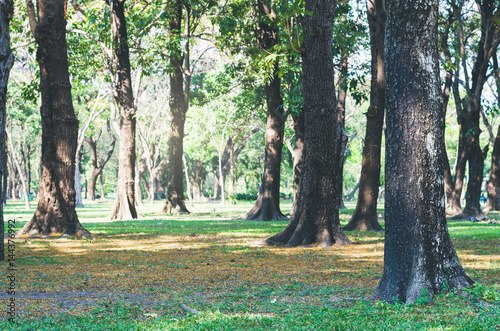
{"type": "Point", "coordinates": [267, 206]}
{"type": "Point", "coordinates": [6, 62]}
{"type": "Point", "coordinates": [178, 108]}
{"type": "Point", "coordinates": [97, 167]}
{"type": "Point", "coordinates": [419, 255]}
{"type": "Point", "coordinates": [125, 203]}
{"type": "Point", "coordinates": [316, 219]}
{"type": "Point", "coordinates": [55, 213]}
{"type": "Point", "coordinates": [493, 186]}
{"type": "Point", "coordinates": [365, 214]}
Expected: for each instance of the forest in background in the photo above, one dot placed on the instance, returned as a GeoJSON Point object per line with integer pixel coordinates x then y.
{"type": "Point", "coordinates": [225, 123]}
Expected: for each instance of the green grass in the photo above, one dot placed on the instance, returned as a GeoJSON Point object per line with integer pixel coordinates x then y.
{"type": "Point", "coordinates": [236, 286]}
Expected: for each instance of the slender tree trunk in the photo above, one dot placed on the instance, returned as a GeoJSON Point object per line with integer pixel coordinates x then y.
{"type": "Point", "coordinates": [419, 256]}
{"type": "Point", "coordinates": [342, 96]}
{"type": "Point", "coordinates": [316, 219]}
{"type": "Point", "coordinates": [196, 176]}
{"type": "Point", "coordinates": [298, 156]}
{"type": "Point", "coordinates": [103, 192]}
{"type": "Point", "coordinates": [365, 214]}
{"type": "Point", "coordinates": [178, 108]}
{"type": "Point", "coordinates": [78, 181]}
{"type": "Point", "coordinates": [493, 186]}
{"type": "Point", "coordinates": [125, 203]}
{"type": "Point", "coordinates": [13, 153]}
{"type": "Point", "coordinates": [55, 213]}
{"type": "Point", "coordinates": [6, 62]}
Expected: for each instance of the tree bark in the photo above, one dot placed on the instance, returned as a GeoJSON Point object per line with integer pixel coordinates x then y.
{"type": "Point", "coordinates": [267, 206]}
{"type": "Point", "coordinates": [493, 186]}
{"type": "Point", "coordinates": [419, 258]}
{"type": "Point", "coordinates": [178, 108]}
{"type": "Point", "coordinates": [316, 219]}
{"type": "Point", "coordinates": [365, 214]}
{"type": "Point", "coordinates": [6, 62]}
{"type": "Point", "coordinates": [55, 213]}
{"type": "Point", "coordinates": [125, 203]}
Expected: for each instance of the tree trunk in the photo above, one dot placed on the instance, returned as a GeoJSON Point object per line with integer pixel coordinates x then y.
{"type": "Point", "coordinates": [78, 181]}
{"type": "Point", "coordinates": [125, 203]}
{"type": "Point", "coordinates": [178, 108]}
{"type": "Point", "coordinates": [13, 153]}
{"type": "Point", "coordinates": [267, 206]}
{"type": "Point", "coordinates": [316, 219]}
{"type": "Point", "coordinates": [55, 213]}
{"type": "Point", "coordinates": [6, 62]}
{"type": "Point", "coordinates": [365, 214]}
{"type": "Point", "coordinates": [493, 186]}
{"type": "Point", "coordinates": [298, 156]}
{"type": "Point", "coordinates": [196, 176]}
{"type": "Point", "coordinates": [419, 258]}
{"type": "Point", "coordinates": [342, 96]}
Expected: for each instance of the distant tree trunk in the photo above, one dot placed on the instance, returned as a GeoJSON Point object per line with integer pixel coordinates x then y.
{"type": "Point", "coordinates": [489, 11]}
{"type": "Point", "coordinates": [342, 96]}
{"type": "Point", "coordinates": [316, 219]}
{"type": "Point", "coordinates": [124, 207]}
{"type": "Point", "coordinates": [298, 156]}
{"type": "Point", "coordinates": [178, 108]}
{"type": "Point", "coordinates": [365, 214]}
{"type": "Point", "coordinates": [267, 206]}
{"type": "Point", "coordinates": [96, 170]}
{"type": "Point", "coordinates": [493, 186]}
{"type": "Point", "coordinates": [101, 180]}
{"type": "Point", "coordinates": [454, 184]}
{"type": "Point", "coordinates": [13, 153]}
{"type": "Point", "coordinates": [55, 213]}
{"type": "Point", "coordinates": [137, 188]}
{"type": "Point", "coordinates": [196, 176]}
{"type": "Point", "coordinates": [419, 255]}
{"type": "Point", "coordinates": [6, 62]}
{"type": "Point", "coordinates": [78, 181]}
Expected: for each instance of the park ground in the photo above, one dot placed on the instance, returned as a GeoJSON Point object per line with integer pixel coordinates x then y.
{"type": "Point", "coordinates": [202, 272]}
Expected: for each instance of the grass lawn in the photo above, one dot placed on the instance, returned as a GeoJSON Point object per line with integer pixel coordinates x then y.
{"type": "Point", "coordinates": [137, 275]}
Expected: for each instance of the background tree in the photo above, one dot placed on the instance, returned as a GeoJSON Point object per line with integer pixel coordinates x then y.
{"type": "Point", "coordinates": [419, 256]}
{"type": "Point", "coordinates": [365, 213]}
{"type": "Point", "coordinates": [316, 219]}
{"type": "Point", "coordinates": [55, 211]}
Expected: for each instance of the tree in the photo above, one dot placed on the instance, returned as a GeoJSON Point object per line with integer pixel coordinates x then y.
{"type": "Point", "coordinates": [316, 219]}
{"type": "Point", "coordinates": [124, 207]}
{"type": "Point", "coordinates": [267, 206]}
{"type": "Point", "coordinates": [55, 213]}
{"type": "Point", "coordinates": [419, 257]}
{"type": "Point", "coordinates": [6, 62]}
{"type": "Point", "coordinates": [469, 117]}
{"type": "Point", "coordinates": [97, 167]}
{"type": "Point", "coordinates": [365, 213]}
{"type": "Point", "coordinates": [493, 185]}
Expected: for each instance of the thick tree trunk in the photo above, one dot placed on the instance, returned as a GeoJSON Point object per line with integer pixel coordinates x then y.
{"type": "Point", "coordinates": [419, 255]}
{"type": "Point", "coordinates": [267, 206]}
{"type": "Point", "coordinates": [298, 156]}
{"type": "Point", "coordinates": [365, 214]}
{"type": "Point", "coordinates": [493, 186]}
{"type": "Point", "coordinates": [316, 219]}
{"type": "Point", "coordinates": [55, 213]}
{"type": "Point", "coordinates": [6, 62]}
{"type": "Point", "coordinates": [125, 203]}
{"type": "Point", "coordinates": [178, 108]}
